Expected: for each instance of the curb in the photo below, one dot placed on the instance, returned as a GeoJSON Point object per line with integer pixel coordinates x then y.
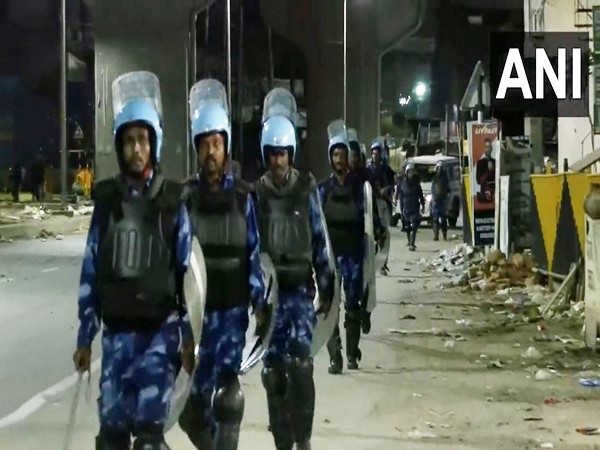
{"type": "Point", "coordinates": [55, 225]}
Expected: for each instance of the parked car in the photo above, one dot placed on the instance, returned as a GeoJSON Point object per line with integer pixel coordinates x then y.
{"type": "Point", "coordinates": [425, 169]}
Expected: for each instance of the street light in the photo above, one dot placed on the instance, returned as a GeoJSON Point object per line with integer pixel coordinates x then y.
{"type": "Point", "coordinates": [420, 90]}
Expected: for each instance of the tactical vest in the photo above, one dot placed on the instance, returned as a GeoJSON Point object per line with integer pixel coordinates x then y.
{"type": "Point", "coordinates": [344, 221]}
{"type": "Point", "coordinates": [219, 222]}
{"type": "Point", "coordinates": [285, 231]}
{"type": "Point", "coordinates": [136, 271]}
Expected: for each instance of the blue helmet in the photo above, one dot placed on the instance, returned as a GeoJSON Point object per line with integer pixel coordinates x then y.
{"type": "Point", "coordinates": [279, 123]}
{"type": "Point", "coordinates": [136, 99]}
{"type": "Point", "coordinates": [353, 140]}
{"type": "Point", "coordinates": [278, 131]}
{"type": "Point", "coordinates": [209, 112]}
{"type": "Point", "coordinates": [338, 136]}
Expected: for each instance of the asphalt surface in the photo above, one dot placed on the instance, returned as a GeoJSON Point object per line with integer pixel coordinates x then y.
{"type": "Point", "coordinates": [38, 315]}
{"type": "Point", "coordinates": [418, 391]}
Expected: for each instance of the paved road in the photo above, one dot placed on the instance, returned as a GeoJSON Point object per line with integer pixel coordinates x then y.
{"type": "Point", "coordinates": [38, 292]}
{"type": "Point", "coordinates": [412, 392]}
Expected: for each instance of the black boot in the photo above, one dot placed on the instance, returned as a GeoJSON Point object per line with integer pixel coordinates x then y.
{"type": "Point", "coordinates": [228, 405]}
{"type": "Point", "coordinates": [436, 231]}
{"type": "Point", "coordinates": [353, 325]}
{"type": "Point", "coordinates": [365, 322]}
{"type": "Point", "coordinates": [150, 437]}
{"type": "Point", "coordinates": [445, 234]}
{"type": "Point", "coordinates": [303, 445]}
{"type": "Point", "coordinates": [274, 380]}
{"type": "Point", "coordinates": [413, 238]}
{"type": "Point", "coordinates": [301, 395]}
{"type": "Point", "coordinates": [192, 421]}
{"type": "Point", "coordinates": [111, 439]}
{"type": "Point", "coordinates": [408, 237]}
{"type": "Point", "coordinates": [334, 347]}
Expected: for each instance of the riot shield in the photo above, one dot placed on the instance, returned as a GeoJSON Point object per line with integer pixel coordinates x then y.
{"type": "Point", "coordinates": [382, 254]}
{"type": "Point", "coordinates": [325, 325]}
{"type": "Point", "coordinates": [369, 272]}
{"type": "Point", "coordinates": [257, 346]}
{"type": "Point", "coordinates": [195, 295]}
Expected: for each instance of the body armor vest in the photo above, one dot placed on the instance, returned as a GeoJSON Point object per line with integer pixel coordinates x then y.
{"type": "Point", "coordinates": [285, 231]}
{"type": "Point", "coordinates": [344, 221]}
{"type": "Point", "coordinates": [136, 274]}
{"type": "Point", "coordinates": [219, 222]}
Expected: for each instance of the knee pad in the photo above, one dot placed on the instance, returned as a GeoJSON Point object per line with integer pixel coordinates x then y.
{"type": "Point", "coordinates": [112, 439]}
{"type": "Point", "coordinates": [195, 413]}
{"type": "Point", "coordinates": [301, 368]}
{"type": "Point", "coordinates": [274, 380]}
{"type": "Point", "coordinates": [228, 403]}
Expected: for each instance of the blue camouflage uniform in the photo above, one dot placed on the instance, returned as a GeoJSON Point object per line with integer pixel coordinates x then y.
{"type": "Point", "coordinates": [138, 368]}
{"type": "Point", "coordinates": [439, 197]}
{"type": "Point", "coordinates": [345, 224]}
{"type": "Point", "coordinates": [295, 316]}
{"type": "Point", "coordinates": [224, 330]}
{"type": "Point", "coordinates": [411, 200]}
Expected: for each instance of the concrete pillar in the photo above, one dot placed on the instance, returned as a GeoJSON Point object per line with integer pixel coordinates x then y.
{"type": "Point", "coordinates": [534, 128]}
{"type": "Point", "coordinates": [316, 26]}
{"type": "Point", "coordinates": [145, 35]}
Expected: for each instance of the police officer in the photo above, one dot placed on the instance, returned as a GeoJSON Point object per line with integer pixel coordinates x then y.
{"type": "Point", "coordinates": [342, 196]}
{"type": "Point", "coordinates": [440, 189]}
{"type": "Point", "coordinates": [223, 219]}
{"type": "Point", "coordinates": [411, 197]}
{"type": "Point", "coordinates": [294, 235]}
{"type": "Point", "coordinates": [382, 177]}
{"type": "Point", "coordinates": [136, 254]}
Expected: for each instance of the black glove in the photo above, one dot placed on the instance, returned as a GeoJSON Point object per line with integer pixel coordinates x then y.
{"type": "Point", "coordinates": [263, 320]}
{"type": "Point", "coordinates": [326, 297]}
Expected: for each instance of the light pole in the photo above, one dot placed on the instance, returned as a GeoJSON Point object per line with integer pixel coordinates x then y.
{"type": "Point", "coordinates": [228, 20]}
{"type": "Point", "coordinates": [345, 56]}
{"type": "Point", "coordinates": [63, 102]}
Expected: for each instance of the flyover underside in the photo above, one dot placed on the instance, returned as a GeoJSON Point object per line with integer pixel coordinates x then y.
{"type": "Point", "coordinates": [316, 26]}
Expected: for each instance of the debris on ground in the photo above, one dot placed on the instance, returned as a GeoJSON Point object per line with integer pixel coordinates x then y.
{"type": "Point", "coordinates": [551, 401]}
{"type": "Point", "coordinates": [531, 353]}
{"type": "Point", "coordinates": [590, 382]}
{"type": "Point", "coordinates": [588, 431]}
{"type": "Point", "coordinates": [543, 375]}
{"type": "Point", "coordinates": [14, 213]}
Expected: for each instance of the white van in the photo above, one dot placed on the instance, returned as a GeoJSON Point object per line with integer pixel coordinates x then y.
{"type": "Point", "coordinates": [425, 169]}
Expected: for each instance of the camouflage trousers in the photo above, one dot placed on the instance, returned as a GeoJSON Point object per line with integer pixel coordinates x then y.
{"type": "Point", "coordinates": [295, 321]}
{"type": "Point", "coordinates": [351, 270]}
{"type": "Point", "coordinates": [138, 376]}
{"type": "Point", "coordinates": [221, 350]}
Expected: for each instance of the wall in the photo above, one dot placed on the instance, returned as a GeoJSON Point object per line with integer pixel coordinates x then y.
{"type": "Point", "coordinates": [574, 139]}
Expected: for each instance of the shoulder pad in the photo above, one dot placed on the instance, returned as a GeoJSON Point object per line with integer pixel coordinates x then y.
{"type": "Point", "coordinates": [171, 192]}
{"type": "Point", "coordinates": [242, 186]}
{"type": "Point", "coordinates": [105, 190]}
{"type": "Point", "coordinates": [308, 180]}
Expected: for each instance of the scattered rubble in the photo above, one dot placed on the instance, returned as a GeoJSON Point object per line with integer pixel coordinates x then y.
{"type": "Point", "coordinates": [14, 213]}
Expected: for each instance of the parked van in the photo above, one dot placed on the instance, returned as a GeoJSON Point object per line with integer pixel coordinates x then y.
{"type": "Point", "coordinates": [425, 169]}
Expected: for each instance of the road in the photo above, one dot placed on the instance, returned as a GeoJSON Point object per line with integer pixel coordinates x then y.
{"type": "Point", "coordinates": [38, 315]}
{"type": "Point", "coordinates": [412, 392]}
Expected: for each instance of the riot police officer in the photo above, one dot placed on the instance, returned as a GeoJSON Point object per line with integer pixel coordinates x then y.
{"type": "Point", "coordinates": [343, 198]}
{"type": "Point", "coordinates": [223, 219]}
{"type": "Point", "coordinates": [136, 254]}
{"type": "Point", "coordinates": [294, 235]}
